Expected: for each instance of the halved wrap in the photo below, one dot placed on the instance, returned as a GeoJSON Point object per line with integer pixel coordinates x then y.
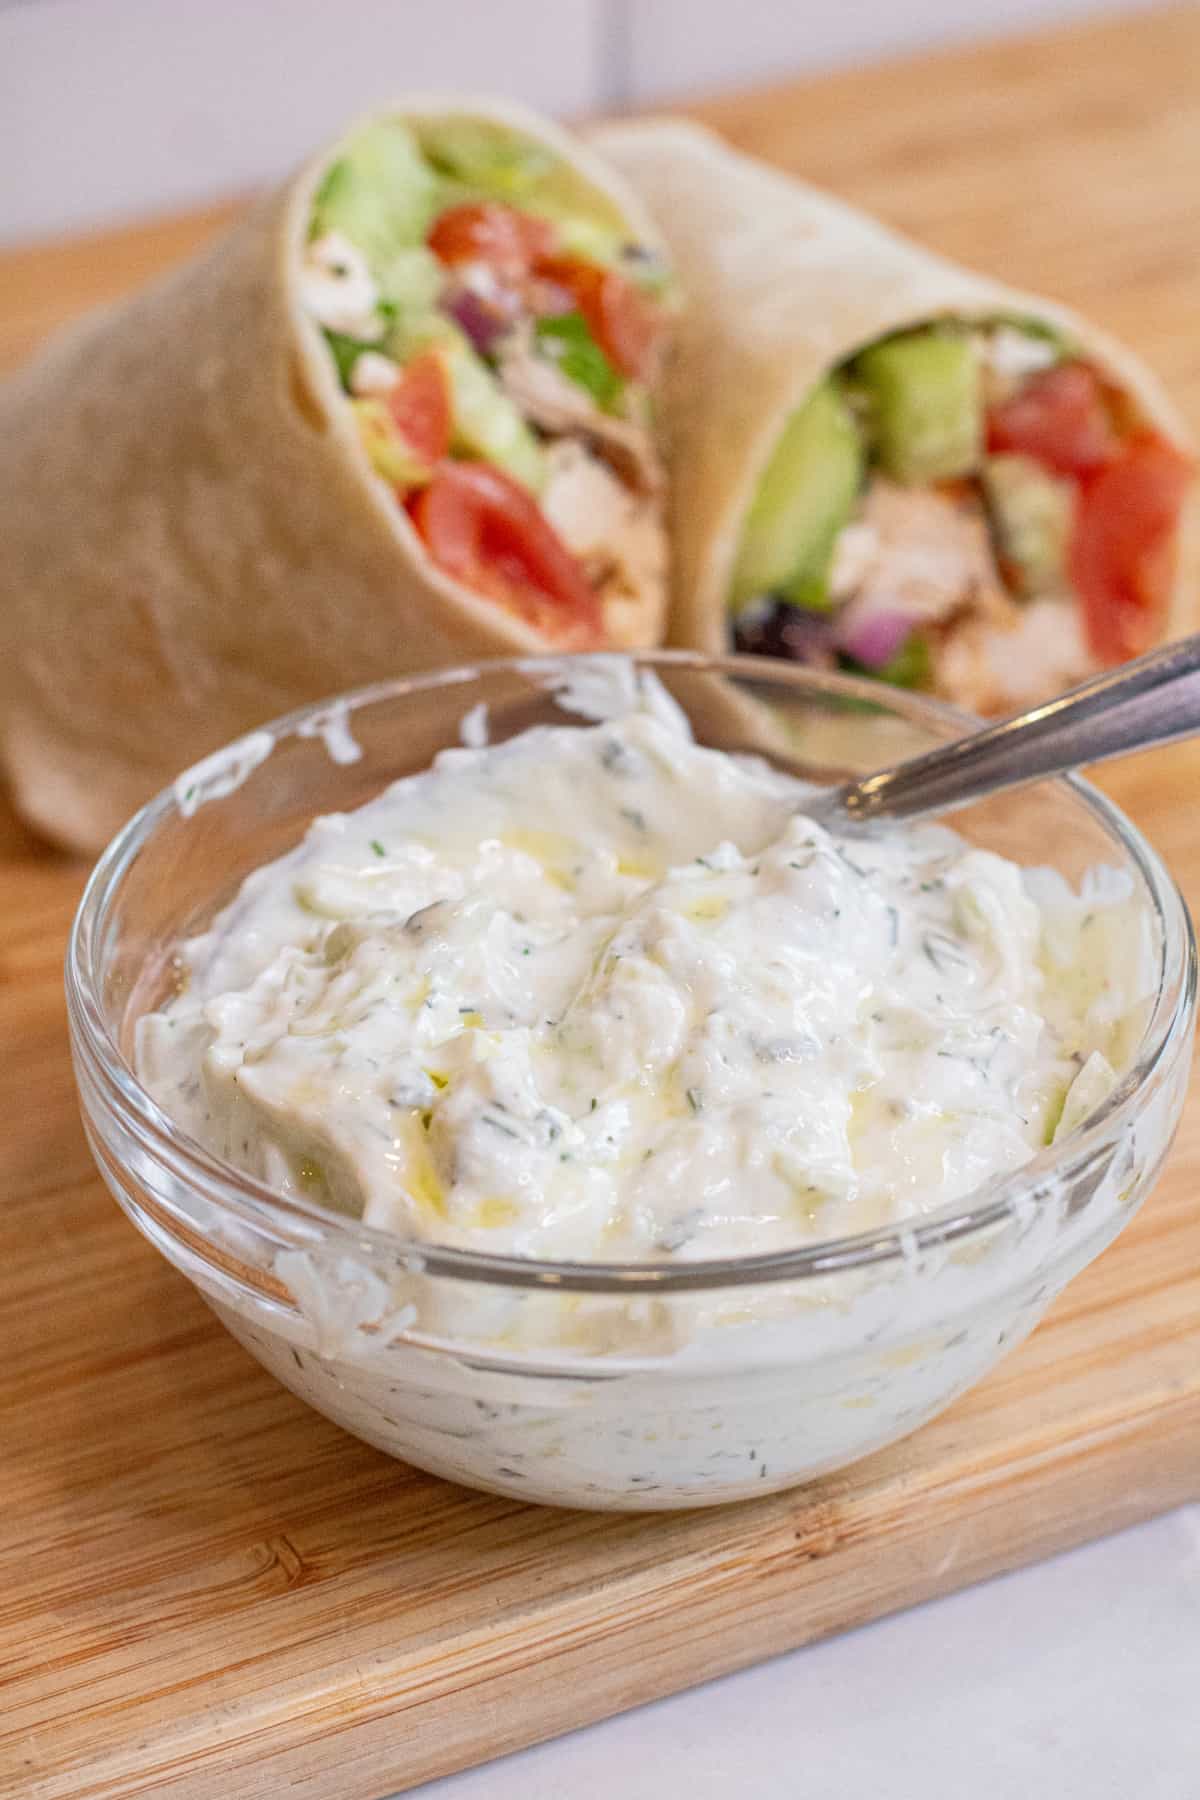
{"type": "Point", "coordinates": [398, 417]}
{"type": "Point", "coordinates": [888, 463]}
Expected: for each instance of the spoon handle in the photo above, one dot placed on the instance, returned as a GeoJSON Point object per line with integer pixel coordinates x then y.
{"type": "Point", "coordinates": [1154, 700]}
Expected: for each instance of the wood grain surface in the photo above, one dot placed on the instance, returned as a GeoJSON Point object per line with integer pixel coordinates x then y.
{"type": "Point", "coordinates": [206, 1590]}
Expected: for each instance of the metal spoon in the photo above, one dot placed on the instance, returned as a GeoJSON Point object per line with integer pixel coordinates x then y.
{"type": "Point", "coordinates": [1155, 700]}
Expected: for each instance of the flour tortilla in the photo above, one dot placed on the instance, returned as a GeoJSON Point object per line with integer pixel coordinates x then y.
{"type": "Point", "coordinates": [191, 539]}
{"type": "Point", "coordinates": [781, 284]}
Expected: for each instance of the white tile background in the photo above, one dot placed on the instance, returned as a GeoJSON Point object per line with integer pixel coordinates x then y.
{"type": "Point", "coordinates": [115, 109]}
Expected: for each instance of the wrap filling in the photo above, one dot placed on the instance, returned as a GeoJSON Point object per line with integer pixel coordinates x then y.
{"type": "Point", "coordinates": [969, 508]}
{"type": "Point", "coordinates": [498, 336]}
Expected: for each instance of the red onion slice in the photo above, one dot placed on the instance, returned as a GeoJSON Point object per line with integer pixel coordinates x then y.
{"type": "Point", "coordinates": [872, 634]}
{"type": "Point", "coordinates": [483, 320]}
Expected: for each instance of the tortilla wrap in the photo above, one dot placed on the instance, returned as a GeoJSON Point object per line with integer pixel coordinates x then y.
{"type": "Point", "coordinates": [192, 539]}
{"type": "Point", "coordinates": [783, 283]}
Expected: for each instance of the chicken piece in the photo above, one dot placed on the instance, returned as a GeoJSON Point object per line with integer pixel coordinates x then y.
{"type": "Point", "coordinates": [995, 667]}
{"type": "Point", "coordinates": [922, 551]}
{"type": "Point", "coordinates": [551, 400]}
{"type": "Point", "coordinates": [616, 534]}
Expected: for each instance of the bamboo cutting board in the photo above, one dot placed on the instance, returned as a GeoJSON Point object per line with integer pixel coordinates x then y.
{"type": "Point", "coordinates": [206, 1590]}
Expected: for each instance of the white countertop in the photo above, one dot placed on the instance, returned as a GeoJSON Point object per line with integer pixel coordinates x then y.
{"type": "Point", "coordinates": [1078, 1679]}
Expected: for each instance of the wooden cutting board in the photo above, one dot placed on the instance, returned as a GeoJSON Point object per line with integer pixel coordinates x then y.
{"type": "Point", "coordinates": [207, 1591]}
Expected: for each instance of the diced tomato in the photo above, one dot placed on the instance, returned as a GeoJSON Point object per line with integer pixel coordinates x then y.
{"type": "Point", "coordinates": [518, 247]}
{"type": "Point", "coordinates": [1059, 418]}
{"type": "Point", "coordinates": [624, 322]}
{"type": "Point", "coordinates": [487, 231]}
{"type": "Point", "coordinates": [487, 531]}
{"type": "Point", "coordinates": [1122, 550]}
{"type": "Point", "coordinates": [420, 406]}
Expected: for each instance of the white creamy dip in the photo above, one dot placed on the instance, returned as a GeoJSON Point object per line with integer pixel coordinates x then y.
{"type": "Point", "coordinates": [602, 993]}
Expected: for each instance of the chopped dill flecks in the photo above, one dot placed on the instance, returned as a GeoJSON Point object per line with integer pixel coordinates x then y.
{"type": "Point", "coordinates": [943, 952]}
{"type": "Point", "coordinates": [499, 1125]}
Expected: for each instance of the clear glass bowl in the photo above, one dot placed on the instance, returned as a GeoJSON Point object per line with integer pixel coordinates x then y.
{"type": "Point", "coordinates": [648, 1385]}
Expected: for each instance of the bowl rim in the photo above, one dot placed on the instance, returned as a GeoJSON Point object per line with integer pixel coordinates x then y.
{"type": "Point", "coordinates": [992, 1204]}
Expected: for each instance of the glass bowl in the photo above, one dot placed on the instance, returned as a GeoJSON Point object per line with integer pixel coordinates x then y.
{"type": "Point", "coordinates": [632, 1386]}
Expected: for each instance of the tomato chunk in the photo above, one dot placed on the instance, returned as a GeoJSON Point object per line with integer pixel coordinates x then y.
{"type": "Point", "coordinates": [487, 231]}
{"type": "Point", "coordinates": [1059, 418]}
{"type": "Point", "coordinates": [420, 407]}
{"type": "Point", "coordinates": [487, 531]}
{"type": "Point", "coordinates": [517, 246]}
{"type": "Point", "coordinates": [624, 322]}
{"type": "Point", "coordinates": [1122, 550]}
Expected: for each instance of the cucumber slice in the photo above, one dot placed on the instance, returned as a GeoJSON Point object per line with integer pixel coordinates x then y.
{"type": "Point", "coordinates": [804, 498]}
{"type": "Point", "coordinates": [1032, 513]}
{"type": "Point", "coordinates": [412, 280]}
{"type": "Point", "coordinates": [926, 403]}
{"type": "Point", "coordinates": [483, 155]}
{"type": "Point", "coordinates": [381, 193]}
{"type": "Point", "coordinates": [484, 421]}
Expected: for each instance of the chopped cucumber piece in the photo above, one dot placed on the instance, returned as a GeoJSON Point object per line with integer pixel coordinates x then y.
{"type": "Point", "coordinates": [412, 280]}
{"type": "Point", "coordinates": [591, 241]}
{"type": "Point", "coordinates": [567, 341]}
{"type": "Point", "coordinates": [484, 421]}
{"type": "Point", "coordinates": [804, 498]}
{"type": "Point", "coordinates": [476, 159]}
{"type": "Point", "coordinates": [381, 193]}
{"type": "Point", "coordinates": [809, 588]}
{"type": "Point", "coordinates": [1090, 1089]}
{"type": "Point", "coordinates": [1032, 513]}
{"type": "Point", "coordinates": [926, 403]}
{"type": "Point", "coordinates": [485, 156]}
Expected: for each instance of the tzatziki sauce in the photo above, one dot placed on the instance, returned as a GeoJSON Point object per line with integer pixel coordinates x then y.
{"type": "Point", "coordinates": [600, 992]}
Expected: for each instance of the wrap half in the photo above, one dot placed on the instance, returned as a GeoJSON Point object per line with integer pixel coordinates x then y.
{"type": "Point", "coordinates": [397, 418]}
{"type": "Point", "coordinates": [886, 462]}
